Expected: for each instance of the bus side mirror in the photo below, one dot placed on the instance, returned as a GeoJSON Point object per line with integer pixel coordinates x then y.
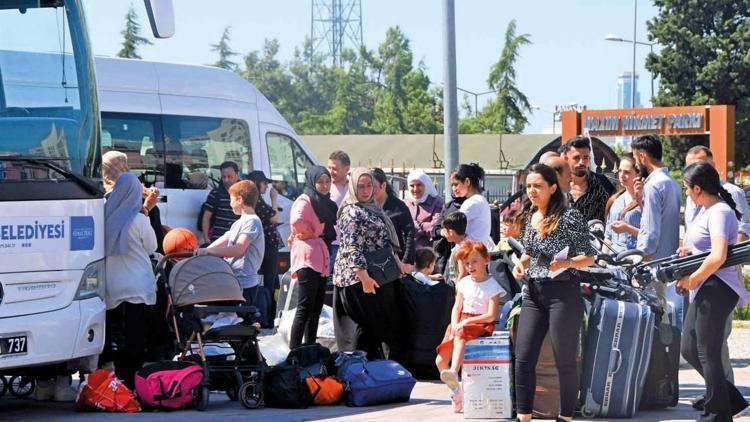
{"type": "Point", "coordinates": [161, 17]}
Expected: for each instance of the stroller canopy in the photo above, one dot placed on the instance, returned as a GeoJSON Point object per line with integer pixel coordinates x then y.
{"type": "Point", "coordinates": [203, 279]}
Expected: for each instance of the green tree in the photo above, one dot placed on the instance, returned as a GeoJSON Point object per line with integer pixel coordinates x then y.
{"type": "Point", "coordinates": [225, 52]}
{"type": "Point", "coordinates": [313, 90]}
{"type": "Point", "coordinates": [403, 101]}
{"type": "Point", "coordinates": [506, 113]}
{"type": "Point", "coordinates": [270, 76]}
{"type": "Point", "coordinates": [132, 36]}
{"type": "Point", "coordinates": [704, 59]}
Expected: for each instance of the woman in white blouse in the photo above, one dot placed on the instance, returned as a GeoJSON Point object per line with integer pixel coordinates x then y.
{"type": "Point", "coordinates": [466, 183]}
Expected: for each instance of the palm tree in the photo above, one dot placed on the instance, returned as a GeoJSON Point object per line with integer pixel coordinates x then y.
{"type": "Point", "coordinates": [507, 112]}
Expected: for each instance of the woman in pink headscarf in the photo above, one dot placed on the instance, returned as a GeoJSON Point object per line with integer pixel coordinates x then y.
{"type": "Point", "coordinates": [424, 205]}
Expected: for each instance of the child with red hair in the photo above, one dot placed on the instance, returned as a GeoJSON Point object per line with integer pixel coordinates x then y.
{"type": "Point", "coordinates": [474, 313]}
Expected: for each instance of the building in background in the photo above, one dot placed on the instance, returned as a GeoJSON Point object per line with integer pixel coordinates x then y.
{"type": "Point", "coordinates": [624, 96]}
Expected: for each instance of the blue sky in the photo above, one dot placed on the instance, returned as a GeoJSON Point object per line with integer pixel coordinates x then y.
{"type": "Point", "coordinates": [569, 60]}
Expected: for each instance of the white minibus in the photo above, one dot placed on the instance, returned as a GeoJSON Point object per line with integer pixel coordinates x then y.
{"type": "Point", "coordinates": [177, 123]}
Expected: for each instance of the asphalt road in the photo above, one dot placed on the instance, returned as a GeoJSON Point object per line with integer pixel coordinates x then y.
{"type": "Point", "coordinates": [430, 401]}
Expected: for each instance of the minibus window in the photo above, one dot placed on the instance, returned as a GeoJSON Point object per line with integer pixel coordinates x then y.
{"type": "Point", "coordinates": [139, 137]}
{"type": "Point", "coordinates": [288, 162]}
{"type": "Point", "coordinates": [196, 146]}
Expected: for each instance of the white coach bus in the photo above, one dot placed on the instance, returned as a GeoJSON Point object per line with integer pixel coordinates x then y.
{"type": "Point", "coordinates": [51, 206]}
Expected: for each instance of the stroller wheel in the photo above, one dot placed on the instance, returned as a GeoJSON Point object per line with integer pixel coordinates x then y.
{"type": "Point", "coordinates": [201, 395]}
{"type": "Point", "coordinates": [251, 395]}
{"type": "Point", "coordinates": [232, 393]}
{"type": "Point", "coordinates": [21, 386]}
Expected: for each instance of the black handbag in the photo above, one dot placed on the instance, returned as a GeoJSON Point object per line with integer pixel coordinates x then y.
{"type": "Point", "coordinates": [382, 266]}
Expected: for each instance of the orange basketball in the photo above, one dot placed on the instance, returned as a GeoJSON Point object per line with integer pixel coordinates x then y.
{"type": "Point", "coordinates": [180, 240]}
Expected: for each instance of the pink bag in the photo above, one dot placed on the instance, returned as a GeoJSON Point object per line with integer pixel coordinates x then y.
{"type": "Point", "coordinates": [169, 385]}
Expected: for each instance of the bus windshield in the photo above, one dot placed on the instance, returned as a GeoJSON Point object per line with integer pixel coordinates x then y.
{"type": "Point", "coordinates": [48, 110]}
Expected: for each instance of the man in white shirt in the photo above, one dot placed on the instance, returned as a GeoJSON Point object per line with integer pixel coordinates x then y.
{"type": "Point", "coordinates": [338, 165]}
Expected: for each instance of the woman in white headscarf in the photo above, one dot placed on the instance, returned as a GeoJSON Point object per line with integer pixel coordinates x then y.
{"type": "Point", "coordinates": [424, 204]}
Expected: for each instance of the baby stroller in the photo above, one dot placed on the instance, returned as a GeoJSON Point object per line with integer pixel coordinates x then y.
{"type": "Point", "coordinates": [201, 286]}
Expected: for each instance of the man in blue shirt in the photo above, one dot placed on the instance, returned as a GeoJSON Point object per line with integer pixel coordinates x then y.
{"type": "Point", "coordinates": [659, 234]}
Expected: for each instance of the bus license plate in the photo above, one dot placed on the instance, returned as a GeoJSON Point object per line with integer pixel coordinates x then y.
{"type": "Point", "coordinates": [12, 345]}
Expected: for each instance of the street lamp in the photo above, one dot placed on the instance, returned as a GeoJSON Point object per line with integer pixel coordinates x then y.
{"type": "Point", "coordinates": [476, 98]}
{"type": "Point", "coordinates": [555, 115]}
{"type": "Point", "coordinates": [616, 38]}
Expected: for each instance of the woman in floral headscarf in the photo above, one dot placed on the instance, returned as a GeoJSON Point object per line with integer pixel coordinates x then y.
{"type": "Point", "coordinates": [366, 314]}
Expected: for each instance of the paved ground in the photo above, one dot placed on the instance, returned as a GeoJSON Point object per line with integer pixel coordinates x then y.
{"type": "Point", "coordinates": [429, 402]}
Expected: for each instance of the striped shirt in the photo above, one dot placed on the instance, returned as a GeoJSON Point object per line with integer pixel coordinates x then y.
{"type": "Point", "coordinates": [223, 216]}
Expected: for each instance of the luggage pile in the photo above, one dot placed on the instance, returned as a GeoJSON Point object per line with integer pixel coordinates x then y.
{"type": "Point", "coordinates": [628, 359]}
{"type": "Point", "coordinates": [312, 375]}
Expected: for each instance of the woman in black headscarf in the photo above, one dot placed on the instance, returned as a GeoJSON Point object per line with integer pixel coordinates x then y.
{"type": "Point", "coordinates": [313, 218]}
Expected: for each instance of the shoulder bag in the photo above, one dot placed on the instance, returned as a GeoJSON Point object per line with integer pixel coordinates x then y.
{"type": "Point", "coordinates": [382, 266]}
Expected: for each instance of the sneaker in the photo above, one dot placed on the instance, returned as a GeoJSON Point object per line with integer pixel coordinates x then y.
{"type": "Point", "coordinates": [44, 391]}
{"type": "Point", "coordinates": [450, 378]}
{"type": "Point", "coordinates": [743, 412]}
{"type": "Point", "coordinates": [698, 403]}
{"type": "Point", "coordinates": [64, 392]}
{"type": "Point", "coordinates": [457, 400]}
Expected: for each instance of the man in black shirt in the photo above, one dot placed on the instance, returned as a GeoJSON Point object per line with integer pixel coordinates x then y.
{"type": "Point", "coordinates": [588, 192]}
{"type": "Point", "coordinates": [217, 213]}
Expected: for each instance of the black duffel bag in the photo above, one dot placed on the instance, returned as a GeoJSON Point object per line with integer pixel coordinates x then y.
{"type": "Point", "coordinates": [284, 384]}
{"type": "Point", "coordinates": [284, 387]}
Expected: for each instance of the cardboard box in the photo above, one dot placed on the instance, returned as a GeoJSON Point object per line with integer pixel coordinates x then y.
{"type": "Point", "coordinates": [486, 377]}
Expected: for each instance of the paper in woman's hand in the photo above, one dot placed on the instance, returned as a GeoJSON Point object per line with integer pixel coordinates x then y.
{"type": "Point", "coordinates": [560, 256]}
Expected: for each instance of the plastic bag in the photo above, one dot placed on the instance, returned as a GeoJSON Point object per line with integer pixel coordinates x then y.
{"type": "Point", "coordinates": [102, 391]}
{"type": "Point", "coordinates": [326, 334]}
{"type": "Point", "coordinates": [274, 348]}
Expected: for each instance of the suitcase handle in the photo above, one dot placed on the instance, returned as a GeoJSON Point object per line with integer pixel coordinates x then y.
{"type": "Point", "coordinates": [615, 361]}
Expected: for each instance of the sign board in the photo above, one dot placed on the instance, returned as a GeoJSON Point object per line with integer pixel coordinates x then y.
{"type": "Point", "coordinates": [716, 121]}
{"type": "Point", "coordinates": [46, 234]}
{"type": "Point", "coordinates": [661, 121]}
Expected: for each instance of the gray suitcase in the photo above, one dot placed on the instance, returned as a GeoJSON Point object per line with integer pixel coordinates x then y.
{"type": "Point", "coordinates": [616, 358]}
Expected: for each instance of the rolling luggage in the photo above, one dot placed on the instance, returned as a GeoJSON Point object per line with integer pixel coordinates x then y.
{"type": "Point", "coordinates": [616, 357]}
{"type": "Point", "coordinates": [288, 296]}
{"type": "Point", "coordinates": [427, 311]}
{"type": "Point", "coordinates": [547, 392]}
{"type": "Point", "coordinates": [662, 387]}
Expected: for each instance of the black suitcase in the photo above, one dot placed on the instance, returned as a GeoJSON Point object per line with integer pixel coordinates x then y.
{"type": "Point", "coordinates": [426, 314]}
{"type": "Point", "coordinates": [662, 388]}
